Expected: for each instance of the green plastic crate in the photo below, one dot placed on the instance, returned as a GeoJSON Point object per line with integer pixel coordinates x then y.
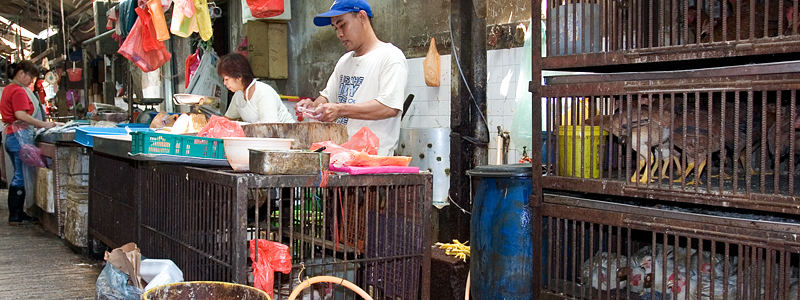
{"type": "Point", "coordinates": [173, 144]}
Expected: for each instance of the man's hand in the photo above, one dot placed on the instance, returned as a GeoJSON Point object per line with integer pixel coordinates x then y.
{"type": "Point", "coordinates": [305, 103]}
{"type": "Point", "coordinates": [329, 112]}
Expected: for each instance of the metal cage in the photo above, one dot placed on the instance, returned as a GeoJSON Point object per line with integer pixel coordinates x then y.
{"type": "Point", "coordinates": [721, 137]}
{"type": "Point", "coordinates": [372, 230]}
{"type": "Point", "coordinates": [586, 33]}
{"type": "Point", "coordinates": [601, 250]}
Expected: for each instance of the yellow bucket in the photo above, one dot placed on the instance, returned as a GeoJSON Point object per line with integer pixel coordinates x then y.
{"type": "Point", "coordinates": [584, 159]}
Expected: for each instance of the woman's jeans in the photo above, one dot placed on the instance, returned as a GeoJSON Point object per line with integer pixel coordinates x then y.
{"type": "Point", "coordinates": [12, 148]}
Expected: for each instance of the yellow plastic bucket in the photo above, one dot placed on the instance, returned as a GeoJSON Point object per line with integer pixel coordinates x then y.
{"type": "Point", "coordinates": [580, 150]}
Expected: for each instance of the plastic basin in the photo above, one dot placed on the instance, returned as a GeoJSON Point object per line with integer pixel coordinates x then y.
{"type": "Point", "coordinates": [237, 149]}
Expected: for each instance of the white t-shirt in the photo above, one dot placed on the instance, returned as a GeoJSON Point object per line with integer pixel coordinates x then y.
{"type": "Point", "coordinates": [263, 107]}
{"type": "Point", "coordinates": [381, 75]}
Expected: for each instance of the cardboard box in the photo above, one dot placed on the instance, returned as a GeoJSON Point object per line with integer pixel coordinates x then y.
{"type": "Point", "coordinates": [267, 47]}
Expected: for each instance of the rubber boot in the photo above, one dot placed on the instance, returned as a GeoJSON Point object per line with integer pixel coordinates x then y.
{"type": "Point", "coordinates": [13, 219]}
{"type": "Point", "coordinates": [16, 198]}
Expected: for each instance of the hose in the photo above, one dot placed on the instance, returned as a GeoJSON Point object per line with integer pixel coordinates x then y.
{"type": "Point", "coordinates": [317, 279]}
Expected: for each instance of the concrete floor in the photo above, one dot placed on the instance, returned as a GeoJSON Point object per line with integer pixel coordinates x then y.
{"type": "Point", "coordinates": [35, 264]}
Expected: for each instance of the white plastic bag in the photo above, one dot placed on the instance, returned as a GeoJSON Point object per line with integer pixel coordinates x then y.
{"type": "Point", "coordinates": [158, 272]}
{"type": "Point", "coordinates": [205, 80]}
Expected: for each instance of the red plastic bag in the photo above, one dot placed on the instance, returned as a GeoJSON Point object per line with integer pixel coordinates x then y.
{"type": "Point", "coordinates": [364, 141]}
{"type": "Point", "coordinates": [265, 8]}
{"type": "Point", "coordinates": [272, 257]}
{"type": "Point", "coordinates": [220, 127]}
{"type": "Point", "coordinates": [141, 46]}
{"type": "Point", "coordinates": [191, 65]}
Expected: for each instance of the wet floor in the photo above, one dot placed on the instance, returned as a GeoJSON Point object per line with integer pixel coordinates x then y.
{"type": "Point", "coordinates": [36, 264]}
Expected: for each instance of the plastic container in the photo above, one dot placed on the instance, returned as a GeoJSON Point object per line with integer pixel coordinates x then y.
{"type": "Point", "coordinates": [237, 149]}
{"type": "Point", "coordinates": [133, 125]}
{"type": "Point", "coordinates": [75, 74]}
{"type": "Point", "coordinates": [148, 142]}
{"type": "Point", "coordinates": [585, 158]}
{"type": "Point", "coordinates": [83, 135]}
{"type": "Point", "coordinates": [501, 259]}
{"type": "Point", "coordinates": [204, 290]}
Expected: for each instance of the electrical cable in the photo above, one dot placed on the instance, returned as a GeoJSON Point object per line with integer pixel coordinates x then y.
{"type": "Point", "coordinates": [464, 78]}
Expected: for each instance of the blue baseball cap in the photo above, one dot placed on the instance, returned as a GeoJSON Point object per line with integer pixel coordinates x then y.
{"type": "Point", "coordinates": [341, 7]}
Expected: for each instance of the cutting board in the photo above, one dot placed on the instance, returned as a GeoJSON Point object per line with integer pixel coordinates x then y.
{"type": "Point", "coordinates": [304, 134]}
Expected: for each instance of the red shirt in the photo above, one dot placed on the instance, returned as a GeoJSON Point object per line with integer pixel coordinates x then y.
{"type": "Point", "coordinates": [14, 99]}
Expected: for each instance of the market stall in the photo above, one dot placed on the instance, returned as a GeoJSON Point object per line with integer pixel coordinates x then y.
{"type": "Point", "coordinates": [368, 229]}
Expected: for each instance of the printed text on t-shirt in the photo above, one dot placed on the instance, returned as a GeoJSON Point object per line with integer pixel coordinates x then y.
{"type": "Point", "coordinates": [348, 86]}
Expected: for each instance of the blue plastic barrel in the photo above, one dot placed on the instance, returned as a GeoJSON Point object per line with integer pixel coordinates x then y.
{"type": "Point", "coordinates": [501, 262]}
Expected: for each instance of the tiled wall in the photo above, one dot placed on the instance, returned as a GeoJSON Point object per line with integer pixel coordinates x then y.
{"type": "Point", "coordinates": [431, 105]}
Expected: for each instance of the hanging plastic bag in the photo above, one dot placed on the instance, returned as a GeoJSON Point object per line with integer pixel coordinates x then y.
{"type": "Point", "coordinates": [148, 32]}
{"type": "Point", "coordinates": [191, 66]}
{"type": "Point", "coordinates": [127, 16]}
{"type": "Point", "coordinates": [432, 65]}
{"type": "Point", "coordinates": [159, 22]}
{"type": "Point", "coordinates": [206, 81]}
{"type": "Point", "coordinates": [141, 47]}
{"type": "Point", "coordinates": [220, 127]}
{"type": "Point", "coordinates": [203, 19]}
{"type": "Point", "coordinates": [265, 8]}
{"type": "Point", "coordinates": [272, 257]}
{"type": "Point", "coordinates": [184, 22]}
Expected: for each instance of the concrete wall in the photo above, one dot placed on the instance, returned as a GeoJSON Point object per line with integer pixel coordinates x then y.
{"type": "Point", "coordinates": [409, 24]}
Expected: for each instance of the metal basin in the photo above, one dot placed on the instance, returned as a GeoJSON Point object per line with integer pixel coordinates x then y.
{"type": "Point", "coordinates": [304, 134]}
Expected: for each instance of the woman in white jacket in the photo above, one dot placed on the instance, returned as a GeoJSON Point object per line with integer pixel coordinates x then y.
{"type": "Point", "coordinates": [253, 101]}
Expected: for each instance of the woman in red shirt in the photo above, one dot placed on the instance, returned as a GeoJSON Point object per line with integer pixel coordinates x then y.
{"type": "Point", "coordinates": [18, 103]}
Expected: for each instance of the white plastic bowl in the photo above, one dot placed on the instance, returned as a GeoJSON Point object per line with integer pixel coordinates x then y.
{"type": "Point", "coordinates": [238, 153]}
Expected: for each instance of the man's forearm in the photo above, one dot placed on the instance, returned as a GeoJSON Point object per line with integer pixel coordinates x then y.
{"type": "Point", "coordinates": [371, 110]}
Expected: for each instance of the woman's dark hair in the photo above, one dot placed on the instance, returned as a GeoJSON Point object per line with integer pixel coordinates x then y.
{"type": "Point", "coordinates": [25, 66]}
{"type": "Point", "coordinates": [235, 65]}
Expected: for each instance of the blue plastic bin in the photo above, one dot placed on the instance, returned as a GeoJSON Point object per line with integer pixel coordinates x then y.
{"type": "Point", "coordinates": [134, 125]}
{"type": "Point", "coordinates": [83, 135]}
{"type": "Point", "coordinates": [501, 259]}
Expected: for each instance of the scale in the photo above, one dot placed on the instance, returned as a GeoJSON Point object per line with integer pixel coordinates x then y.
{"type": "Point", "coordinates": [196, 103]}
{"type": "Point", "coordinates": [141, 114]}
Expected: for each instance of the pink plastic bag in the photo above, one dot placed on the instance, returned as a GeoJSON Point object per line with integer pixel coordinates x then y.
{"type": "Point", "coordinates": [272, 257]}
{"type": "Point", "coordinates": [364, 141]}
{"type": "Point", "coordinates": [265, 8]}
{"type": "Point", "coordinates": [31, 155]}
{"type": "Point", "coordinates": [220, 127]}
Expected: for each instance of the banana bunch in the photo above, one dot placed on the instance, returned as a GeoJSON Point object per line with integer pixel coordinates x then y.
{"type": "Point", "coordinates": [457, 249]}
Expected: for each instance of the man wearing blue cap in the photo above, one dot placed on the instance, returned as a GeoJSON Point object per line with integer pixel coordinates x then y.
{"type": "Point", "coordinates": [368, 82]}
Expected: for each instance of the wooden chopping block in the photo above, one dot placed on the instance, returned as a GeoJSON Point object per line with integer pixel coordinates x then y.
{"type": "Point", "coordinates": [304, 134]}
{"type": "Point", "coordinates": [269, 162]}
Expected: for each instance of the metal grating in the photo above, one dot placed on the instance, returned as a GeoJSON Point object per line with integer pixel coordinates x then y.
{"type": "Point", "coordinates": [366, 229]}
{"type": "Point", "coordinates": [114, 188]}
{"type": "Point", "coordinates": [653, 132]}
